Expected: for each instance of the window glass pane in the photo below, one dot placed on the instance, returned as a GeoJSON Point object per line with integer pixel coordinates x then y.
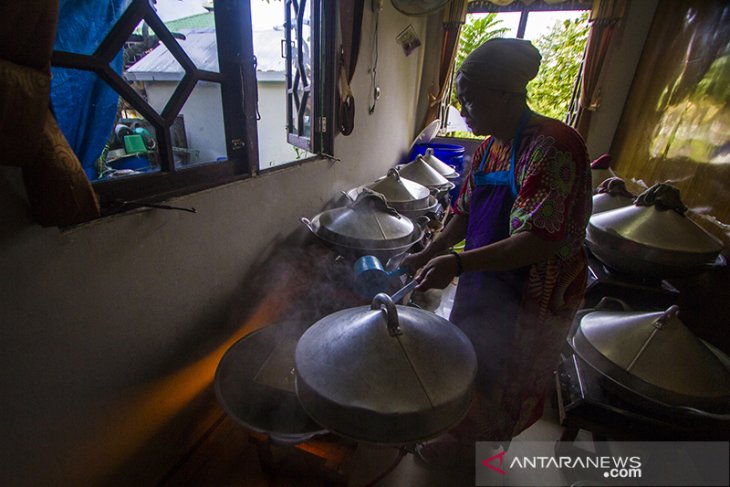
{"type": "Point", "coordinates": [268, 36]}
{"type": "Point", "coordinates": [131, 149]}
{"type": "Point", "coordinates": [83, 25]}
{"type": "Point", "coordinates": [198, 134]}
{"type": "Point", "coordinates": [170, 10]}
{"type": "Point", "coordinates": [509, 21]}
{"type": "Point", "coordinates": [301, 68]}
{"type": "Point", "coordinates": [149, 64]}
{"type": "Point", "coordinates": [194, 28]}
{"type": "Point", "coordinates": [539, 24]}
{"type": "Point", "coordinates": [560, 37]}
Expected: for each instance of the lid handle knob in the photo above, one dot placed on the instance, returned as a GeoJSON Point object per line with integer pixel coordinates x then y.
{"type": "Point", "coordinates": [382, 299]}
{"type": "Point", "coordinates": [670, 313]}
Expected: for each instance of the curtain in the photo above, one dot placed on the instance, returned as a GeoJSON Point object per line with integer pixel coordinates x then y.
{"type": "Point", "coordinates": [454, 17]}
{"type": "Point", "coordinates": [604, 19]}
{"type": "Point", "coordinates": [85, 107]}
{"type": "Point", "coordinates": [57, 188]}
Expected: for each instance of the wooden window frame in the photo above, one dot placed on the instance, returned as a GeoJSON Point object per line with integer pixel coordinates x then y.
{"type": "Point", "coordinates": [237, 80]}
{"type": "Point", "coordinates": [321, 86]}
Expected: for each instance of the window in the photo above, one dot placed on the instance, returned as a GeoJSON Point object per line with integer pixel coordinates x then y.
{"type": "Point", "coordinates": [307, 85]}
{"type": "Point", "coordinates": [163, 98]}
{"type": "Point", "coordinates": [558, 29]}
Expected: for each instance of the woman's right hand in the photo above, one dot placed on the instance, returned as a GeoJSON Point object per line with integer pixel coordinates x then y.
{"type": "Point", "coordinates": [414, 262]}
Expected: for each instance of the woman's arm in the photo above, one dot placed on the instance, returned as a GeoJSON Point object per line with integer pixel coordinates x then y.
{"type": "Point", "coordinates": [453, 233]}
{"type": "Point", "coordinates": [519, 250]}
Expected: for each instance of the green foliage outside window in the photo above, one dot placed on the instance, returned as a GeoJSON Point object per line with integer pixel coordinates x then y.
{"type": "Point", "coordinates": [562, 51]}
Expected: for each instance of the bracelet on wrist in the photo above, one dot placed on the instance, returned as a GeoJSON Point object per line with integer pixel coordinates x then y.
{"type": "Point", "coordinates": [459, 267]}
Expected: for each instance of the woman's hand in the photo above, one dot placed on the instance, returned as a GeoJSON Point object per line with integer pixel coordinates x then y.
{"type": "Point", "coordinates": [415, 262]}
{"type": "Point", "coordinates": [438, 273]}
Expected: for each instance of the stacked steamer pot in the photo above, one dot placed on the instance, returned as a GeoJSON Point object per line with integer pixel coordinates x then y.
{"type": "Point", "coordinates": [366, 226]}
{"type": "Point", "coordinates": [653, 237]}
{"type": "Point", "coordinates": [447, 171]}
{"type": "Point", "coordinates": [407, 197]}
{"type": "Point", "coordinates": [425, 174]}
{"type": "Point", "coordinates": [650, 358]}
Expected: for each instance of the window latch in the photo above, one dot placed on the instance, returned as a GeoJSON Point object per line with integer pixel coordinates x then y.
{"type": "Point", "coordinates": [321, 124]}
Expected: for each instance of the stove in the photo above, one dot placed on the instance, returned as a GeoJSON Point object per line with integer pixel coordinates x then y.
{"type": "Point", "coordinates": [640, 293]}
{"type": "Point", "coordinates": [585, 402]}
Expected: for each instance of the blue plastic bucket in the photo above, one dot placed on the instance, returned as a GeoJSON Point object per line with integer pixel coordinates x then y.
{"type": "Point", "coordinates": [451, 154]}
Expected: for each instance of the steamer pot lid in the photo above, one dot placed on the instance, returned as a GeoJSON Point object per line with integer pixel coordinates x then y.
{"type": "Point", "coordinates": [657, 348]}
{"type": "Point", "coordinates": [400, 190]}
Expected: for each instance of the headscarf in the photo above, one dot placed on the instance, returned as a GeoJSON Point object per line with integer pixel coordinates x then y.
{"type": "Point", "coordinates": [502, 64]}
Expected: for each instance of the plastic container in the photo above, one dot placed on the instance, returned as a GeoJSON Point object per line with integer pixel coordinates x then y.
{"type": "Point", "coordinates": [134, 144]}
{"type": "Point", "coordinates": [451, 154]}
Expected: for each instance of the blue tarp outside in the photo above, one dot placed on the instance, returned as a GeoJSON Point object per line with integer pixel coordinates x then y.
{"type": "Point", "coordinates": [84, 105]}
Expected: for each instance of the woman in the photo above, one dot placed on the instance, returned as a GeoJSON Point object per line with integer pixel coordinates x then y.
{"type": "Point", "coordinates": [523, 211]}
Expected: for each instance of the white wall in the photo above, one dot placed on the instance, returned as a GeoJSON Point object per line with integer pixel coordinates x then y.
{"type": "Point", "coordinates": [202, 115]}
{"type": "Point", "coordinates": [273, 148]}
{"type": "Point", "coordinates": [108, 329]}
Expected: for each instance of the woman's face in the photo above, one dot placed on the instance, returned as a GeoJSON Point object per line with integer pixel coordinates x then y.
{"type": "Point", "coordinates": [479, 105]}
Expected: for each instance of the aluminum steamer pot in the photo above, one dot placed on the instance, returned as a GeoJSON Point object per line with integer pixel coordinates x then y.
{"type": "Point", "coordinates": [648, 241]}
{"type": "Point", "coordinates": [367, 226]}
{"type": "Point", "coordinates": [385, 374]}
{"type": "Point", "coordinates": [653, 358]}
{"type": "Point", "coordinates": [420, 172]}
{"type": "Point", "coordinates": [256, 387]}
{"type": "Point", "coordinates": [441, 167]}
{"type": "Point", "coordinates": [404, 194]}
{"type": "Point", "coordinates": [409, 198]}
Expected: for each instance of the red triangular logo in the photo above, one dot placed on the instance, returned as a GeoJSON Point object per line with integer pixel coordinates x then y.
{"type": "Point", "coordinates": [487, 462]}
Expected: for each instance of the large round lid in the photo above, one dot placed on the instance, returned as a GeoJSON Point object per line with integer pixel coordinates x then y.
{"type": "Point", "coordinates": [658, 220]}
{"type": "Point", "coordinates": [254, 382]}
{"type": "Point", "coordinates": [400, 191]}
{"type": "Point", "coordinates": [667, 230]}
{"type": "Point", "coordinates": [655, 354]}
{"type": "Point", "coordinates": [420, 172]}
{"type": "Point", "coordinates": [385, 374]}
{"type": "Point", "coordinates": [440, 166]}
{"type": "Point", "coordinates": [368, 222]}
